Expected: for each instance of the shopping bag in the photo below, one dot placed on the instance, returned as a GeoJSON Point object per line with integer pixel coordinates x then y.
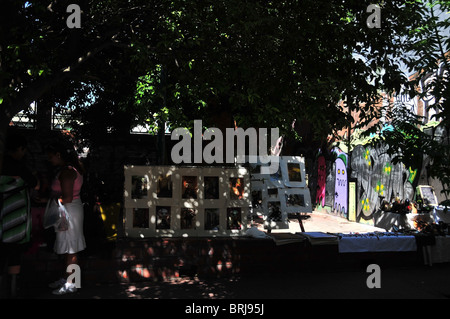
{"type": "Point", "coordinates": [63, 222]}
{"type": "Point", "coordinates": [51, 215]}
{"type": "Point", "coordinates": [56, 215]}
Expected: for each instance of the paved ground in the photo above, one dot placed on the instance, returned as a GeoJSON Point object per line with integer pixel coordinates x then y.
{"type": "Point", "coordinates": [323, 222]}
{"type": "Point", "coordinates": [420, 282]}
{"type": "Point", "coordinates": [410, 282]}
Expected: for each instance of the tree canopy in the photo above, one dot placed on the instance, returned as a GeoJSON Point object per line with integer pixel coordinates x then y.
{"type": "Point", "coordinates": [267, 64]}
{"type": "Point", "coordinates": [427, 59]}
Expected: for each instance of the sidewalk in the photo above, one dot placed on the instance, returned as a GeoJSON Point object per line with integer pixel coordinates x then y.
{"type": "Point", "coordinates": [396, 283]}
{"type": "Point", "coordinates": [327, 223]}
{"type": "Point", "coordinates": [279, 279]}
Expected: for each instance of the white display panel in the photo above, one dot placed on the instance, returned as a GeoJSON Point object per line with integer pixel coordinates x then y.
{"type": "Point", "coordinates": [186, 201]}
{"type": "Point", "coordinates": [283, 192]}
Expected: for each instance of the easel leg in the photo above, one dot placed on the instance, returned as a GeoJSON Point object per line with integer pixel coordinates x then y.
{"type": "Point", "coordinates": [300, 222]}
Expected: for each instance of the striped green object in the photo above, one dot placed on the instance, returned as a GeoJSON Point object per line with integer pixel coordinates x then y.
{"type": "Point", "coordinates": [15, 217]}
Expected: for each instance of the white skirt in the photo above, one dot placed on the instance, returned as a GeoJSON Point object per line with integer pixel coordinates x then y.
{"type": "Point", "coordinates": [72, 240]}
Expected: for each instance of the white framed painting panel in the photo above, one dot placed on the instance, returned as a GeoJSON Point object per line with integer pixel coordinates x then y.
{"type": "Point", "coordinates": [164, 186]}
{"type": "Point", "coordinates": [293, 171]}
{"type": "Point", "coordinates": [254, 164]}
{"type": "Point", "coordinates": [238, 184]}
{"type": "Point", "coordinates": [298, 200]}
{"type": "Point", "coordinates": [189, 182]}
{"type": "Point", "coordinates": [137, 222]}
{"type": "Point", "coordinates": [212, 221]}
{"type": "Point", "coordinates": [236, 219]}
{"type": "Point", "coordinates": [258, 194]}
{"type": "Point", "coordinates": [164, 183]}
{"type": "Point", "coordinates": [214, 186]}
{"type": "Point", "coordinates": [137, 185]}
{"type": "Point", "coordinates": [188, 219]}
{"type": "Point", "coordinates": [275, 214]}
{"type": "Point", "coordinates": [163, 220]}
{"type": "Point", "coordinates": [185, 201]}
{"type": "Point", "coordinates": [275, 180]}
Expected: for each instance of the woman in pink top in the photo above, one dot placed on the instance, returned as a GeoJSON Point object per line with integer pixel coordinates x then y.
{"type": "Point", "coordinates": [66, 187]}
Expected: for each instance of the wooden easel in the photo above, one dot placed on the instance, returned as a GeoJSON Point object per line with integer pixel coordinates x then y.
{"type": "Point", "coordinates": [300, 222]}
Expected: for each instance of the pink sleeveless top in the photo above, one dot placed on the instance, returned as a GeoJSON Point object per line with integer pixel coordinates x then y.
{"type": "Point", "coordinates": [77, 183]}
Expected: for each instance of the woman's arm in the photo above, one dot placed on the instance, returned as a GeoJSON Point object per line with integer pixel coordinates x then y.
{"type": "Point", "coordinates": [67, 178]}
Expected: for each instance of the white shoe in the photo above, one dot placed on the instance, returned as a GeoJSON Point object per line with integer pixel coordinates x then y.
{"type": "Point", "coordinates": [65, 289]}
{"type": "Point", "coordinates": [57, 284]}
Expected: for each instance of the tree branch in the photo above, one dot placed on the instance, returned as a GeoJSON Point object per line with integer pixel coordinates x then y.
{"type": "Point", "coordinates": [439, 41]}
{"type": "Point", "coordinates": [36, 89]}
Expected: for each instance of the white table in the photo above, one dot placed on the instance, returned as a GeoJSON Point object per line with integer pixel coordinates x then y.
{"type": "Point", "coordinates": [382, 243]}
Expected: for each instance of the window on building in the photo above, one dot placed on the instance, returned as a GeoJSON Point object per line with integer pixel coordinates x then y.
{"type": "Point", "coordinates": [60, 118]}
{"type": "Point", "coordinates": [25, 119]}
{"type": "Point", "coordinates": [147, 129]}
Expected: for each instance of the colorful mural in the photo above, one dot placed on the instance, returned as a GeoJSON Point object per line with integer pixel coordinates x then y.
{"type": "Point", "coordinates": [378, 179]}
{"type": "Point", "coordinates": [321, 180]}
{"type": "Point", "coordinates": [341, 183]}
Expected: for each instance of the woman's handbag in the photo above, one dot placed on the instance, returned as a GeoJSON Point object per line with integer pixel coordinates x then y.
{"type": "Point", "coordinates": [56, 215]}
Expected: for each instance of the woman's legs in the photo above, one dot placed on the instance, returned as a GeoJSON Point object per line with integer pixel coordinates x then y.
{"type": "Point", "coordinates": [67, 287]}
{"type": "Point", "coordinates": [71, 240]}
{"type": "Point", "coordinates": [70, 260]}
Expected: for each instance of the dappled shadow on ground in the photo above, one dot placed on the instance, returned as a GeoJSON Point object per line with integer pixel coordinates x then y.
{"type": "Point", "coordinates": [179, 288]}
{"type": "Point", "coordinates": [397, 282]}
{"type": "Point", "coordinates": [182, 288]}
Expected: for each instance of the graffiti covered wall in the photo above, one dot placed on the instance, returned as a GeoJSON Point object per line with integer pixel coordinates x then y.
{"type": "Point", "coordinates": [376, 177]}
{"type": "Point", "coordinates": [332, 183]}
{"type": "Point", "coordinates": [321, 180]}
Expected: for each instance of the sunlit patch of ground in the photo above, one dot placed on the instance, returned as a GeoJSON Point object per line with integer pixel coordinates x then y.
{"type": "Point", "coordinates": [192, 288]}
